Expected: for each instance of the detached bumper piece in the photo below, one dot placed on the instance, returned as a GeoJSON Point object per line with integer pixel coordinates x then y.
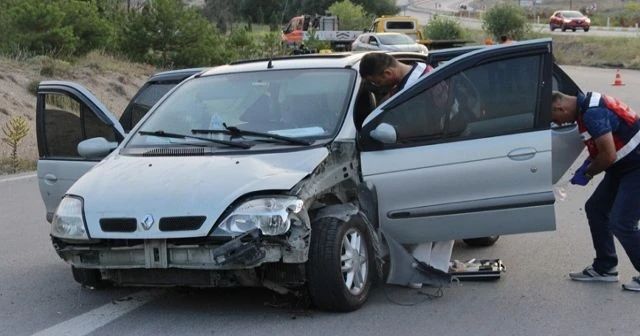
{"type": "Point", "coordinates": [245, 251]}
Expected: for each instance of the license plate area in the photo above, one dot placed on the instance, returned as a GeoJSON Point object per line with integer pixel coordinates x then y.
{"type": "Point", "coordinates": [156, 253]}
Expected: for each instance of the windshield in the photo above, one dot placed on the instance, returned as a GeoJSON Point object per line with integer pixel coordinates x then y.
{"type": "Point", "coordinates": [572, 14]}
{"type": "Point", "coordinates": [302, 103]}
{"type": "Point", "coordinates": [395, 39]}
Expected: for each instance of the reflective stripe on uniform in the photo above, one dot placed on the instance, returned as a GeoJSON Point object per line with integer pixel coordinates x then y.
{"type": "Point", "coordinates": [595, 99]}
{"type": "Point", "coordinates": [629, 147]}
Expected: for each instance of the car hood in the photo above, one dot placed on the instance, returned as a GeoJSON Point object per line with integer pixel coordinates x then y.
{"type": "Point", "coordinates": [177, 186]}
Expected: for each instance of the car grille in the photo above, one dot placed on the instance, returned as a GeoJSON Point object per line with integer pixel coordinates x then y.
{"type": "Point", "coordinates": [118, 224]}
{"type": "Point", "coordinates": [181, 223]}
{"type": "Point", "coordinates": [175, 151]}
{"type": "Point", "coordinates": [184, 223]}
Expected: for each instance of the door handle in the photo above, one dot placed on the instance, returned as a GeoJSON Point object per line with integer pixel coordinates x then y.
{"type": "Point", "coordinates": [50, 178]}
{"type": "Point", "coordinates": [522, 154]}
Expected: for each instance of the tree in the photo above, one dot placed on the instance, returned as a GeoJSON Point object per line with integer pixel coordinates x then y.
{"type": "Point", "coordinates": [444, 28]}
{"type": "Point", "coordinates": [351, 16]}
{"type": "Point", "coordinates": [167, 33]}
{"type": "Point", "coordinates": [506, 19]}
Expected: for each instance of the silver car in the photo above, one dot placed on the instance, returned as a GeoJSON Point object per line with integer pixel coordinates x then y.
{"type": "Point", "coordinates": [387, 42]}
{"type": "Point", "coordinates": [286, 173]}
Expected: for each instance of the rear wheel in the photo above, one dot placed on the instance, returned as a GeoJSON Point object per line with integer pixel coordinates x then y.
{"type": "Point", "coordinates": [88, 277]}
{"type": "Point", "coordinates": [341, 264]}
{"type": "Point", "coordinates": [481, 242]}
{"type": "Point", "coordinates": [552, 27]}
{"type": "Point", "coordinates": [564, 29]}
{"type": "Point", "coordinates": [573, 29]}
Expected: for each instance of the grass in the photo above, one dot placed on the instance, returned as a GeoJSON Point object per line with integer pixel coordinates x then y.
{"type": "Point", "coordinates": [6, 166]}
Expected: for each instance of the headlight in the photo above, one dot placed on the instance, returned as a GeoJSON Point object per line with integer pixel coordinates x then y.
{"type": "Point", "coordinates": [423, 49]}
{"type": "Point", "coordinates": [587, 20]}
{"type": "Point", "coordinates": [68, 221]}
{"type": "Point", "coordinates": [271, 215]}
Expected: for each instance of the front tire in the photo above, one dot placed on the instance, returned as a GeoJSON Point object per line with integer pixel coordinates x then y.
{"type": "Point", "coordinates": [88, 277]}
{"type": "Point", "coordinates": [341, 264]}
{"type": "Point", "coordinates": [586, 30]}
{"type": "Point", "coordinates": [481, 242]}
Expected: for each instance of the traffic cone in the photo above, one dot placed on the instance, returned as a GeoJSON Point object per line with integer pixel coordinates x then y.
{"type": "Point", "coordinates": [618, 80]}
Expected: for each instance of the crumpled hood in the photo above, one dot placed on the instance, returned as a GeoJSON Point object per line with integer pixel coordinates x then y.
{"type": "Point", "coordinates": [172, 186]}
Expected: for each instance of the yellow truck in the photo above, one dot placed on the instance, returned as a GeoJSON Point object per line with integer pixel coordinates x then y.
{"type": "Point", "coordinates": [409, 25]}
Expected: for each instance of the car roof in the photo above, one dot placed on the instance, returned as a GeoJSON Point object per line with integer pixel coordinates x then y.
{"type": "Point", "coordinates": [306, 61]}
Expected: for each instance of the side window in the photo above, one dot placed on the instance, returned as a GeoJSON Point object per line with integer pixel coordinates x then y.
{"type": "Point", "coordinates": [62, 124]}
{"type": "Point", "coordinates": [142, 102]}
{"type": "Point", "coordinates": [67, 122]}
{"type": "Point", "coordinates": [488, 100]}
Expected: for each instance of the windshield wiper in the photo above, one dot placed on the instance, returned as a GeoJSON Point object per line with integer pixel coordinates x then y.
{"type": "Point", "coordinates": [164, 134]}
{"type": "Point", "coordinates": [236, 132]}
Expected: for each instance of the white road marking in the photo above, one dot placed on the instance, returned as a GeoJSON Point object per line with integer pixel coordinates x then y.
{"type": "Point", "coordinates": [17, 178]}
{"type": "Point", "coordinates": [92, 320]}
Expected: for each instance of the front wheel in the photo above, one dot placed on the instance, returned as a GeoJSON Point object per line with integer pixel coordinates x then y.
{"type": "Point", "coordinates": [586, 30]}
{"type": "Point", "coordinates": [481, 242]}
{"type": "Point", "coordinates": [341, 264]}
{"type": "Point", "coordinates": [88, 277]}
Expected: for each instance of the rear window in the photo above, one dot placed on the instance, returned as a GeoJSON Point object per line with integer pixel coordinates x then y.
{"type": "Point", "coordinates": [400, 25]}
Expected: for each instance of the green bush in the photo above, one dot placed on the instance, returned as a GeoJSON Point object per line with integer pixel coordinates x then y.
{"type": "Point", "coordinates": [506, 19]}
{"type": "Point", "coordinates": [351, 16]}
{"type": "Point", "coordinates": [443, 28]}
{"type": "Point", "coordinates": [55, 27]}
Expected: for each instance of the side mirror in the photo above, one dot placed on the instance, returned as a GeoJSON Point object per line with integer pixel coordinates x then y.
{"type": "Point", "coordinates": [373, 42]}
{"type": "Point", "coordinates": [96, 148]}
{"type": "Point", "coordinates": [384, 133]}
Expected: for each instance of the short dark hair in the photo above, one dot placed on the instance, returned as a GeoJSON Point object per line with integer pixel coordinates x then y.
{"type": "Point", "coordinates": [375, 63]}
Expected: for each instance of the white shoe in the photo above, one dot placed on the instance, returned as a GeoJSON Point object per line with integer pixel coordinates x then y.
{"type": "Point", "coordinates": [415, 285]}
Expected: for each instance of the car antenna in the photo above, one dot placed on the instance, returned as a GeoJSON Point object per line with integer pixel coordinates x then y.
{"type": "Point", "coordinates": [270, 64]}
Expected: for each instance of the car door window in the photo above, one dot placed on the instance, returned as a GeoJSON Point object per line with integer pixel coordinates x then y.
{"type": "Point", "coordinates": [67, 122]}
{"type": "Point", "coordinates": [488, 100]}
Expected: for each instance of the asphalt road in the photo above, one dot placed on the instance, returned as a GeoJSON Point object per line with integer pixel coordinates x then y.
{"type": "Point", "coordinates": [533, 297]}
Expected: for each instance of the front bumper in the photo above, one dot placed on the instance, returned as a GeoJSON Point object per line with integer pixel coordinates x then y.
{"type": "Point", "coordinates": [243, 252]}
{"type": "Point", "coordinates": [575, 24]}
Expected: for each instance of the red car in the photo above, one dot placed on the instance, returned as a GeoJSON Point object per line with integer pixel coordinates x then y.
{"type": "Point", "coordinates": [569, 19]}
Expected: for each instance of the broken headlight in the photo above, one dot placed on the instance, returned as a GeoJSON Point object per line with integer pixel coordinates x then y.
{"type": "Point", "coordinates": [271, 215]}
{"type": "Point", "coordinates": [68, 221]}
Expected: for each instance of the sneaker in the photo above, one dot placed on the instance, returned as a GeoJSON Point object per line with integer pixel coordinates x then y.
{"type": "Point", "coordinates": [589, 274]}
{"type": "Point", "coordinates": [634, 285]}
{"type": "Point", "coordinates": [415, 285]}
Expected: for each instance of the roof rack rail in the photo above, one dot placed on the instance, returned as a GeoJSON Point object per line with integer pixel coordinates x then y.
{"type": "Point", "coordinates": [266, 59]}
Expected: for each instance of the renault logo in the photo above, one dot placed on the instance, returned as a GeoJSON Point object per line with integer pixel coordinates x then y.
{"type": "Point", "coordinates": [147, 222]}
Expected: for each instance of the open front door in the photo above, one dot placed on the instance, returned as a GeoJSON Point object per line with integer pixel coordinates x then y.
{"type": "Point", "coordinates": [466, 151]}
{"type": "Point", "coordinates": [66, 115]}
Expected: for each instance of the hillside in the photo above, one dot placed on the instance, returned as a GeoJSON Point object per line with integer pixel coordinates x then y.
{"type": "Point", "coordinates": [112, 81]}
